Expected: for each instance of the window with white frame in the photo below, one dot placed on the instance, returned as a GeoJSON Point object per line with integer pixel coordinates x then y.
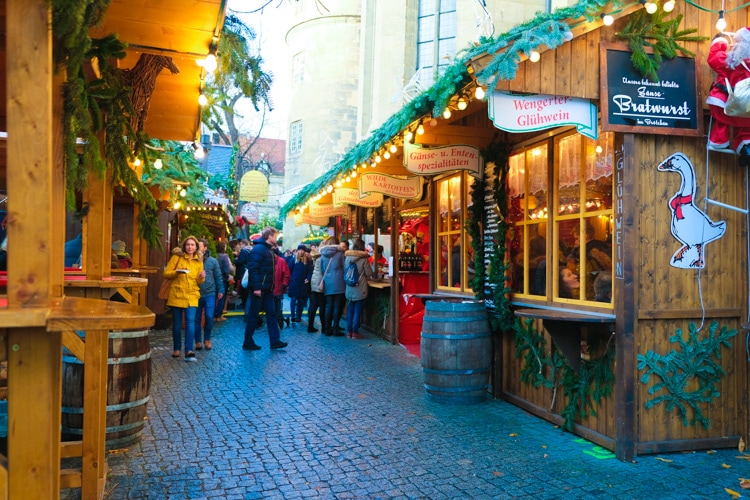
{"type": "Point", "coordinates": [298, 68]}
{"type": "Point", "coordinates": [295, 137]}
{"type": "Point", "coordinates": [436, 37]}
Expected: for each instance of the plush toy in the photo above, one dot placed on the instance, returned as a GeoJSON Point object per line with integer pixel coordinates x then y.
{"type": "Point", "coordinates": [730, 59]}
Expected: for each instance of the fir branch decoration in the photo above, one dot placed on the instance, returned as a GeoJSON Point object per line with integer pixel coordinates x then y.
{"type": "Point", "coordinates": [531, 346]}
{"type": "Point", "coordinates": [501, 316]}
{"type": "Point", "coordinates": [585, 390]}
{"type": "Point", "coordinates": [659, 34]}
{"type": "Point", "coordinates": [474, 229]}
{"type": "Point", "coordinates": [680, 371]}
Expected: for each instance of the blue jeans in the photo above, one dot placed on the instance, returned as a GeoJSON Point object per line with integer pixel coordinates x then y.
{"type": "Point", "coordinates": [252, 311]}
{"type": "Point", "coordinates": [354, 314]}
{"type": "Point", "coordinates": [189, 314]}
{"type": "Point", "coordinates": [207, 304]}
{"type": "Point", "coordinates": [296, 306]}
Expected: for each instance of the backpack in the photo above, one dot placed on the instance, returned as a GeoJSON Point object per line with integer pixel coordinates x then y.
{"type": "Point", "coordinates": [351, 274]}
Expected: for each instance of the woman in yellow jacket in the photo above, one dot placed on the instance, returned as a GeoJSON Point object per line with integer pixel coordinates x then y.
{"type": "Point", "coordinates": [185, 269]}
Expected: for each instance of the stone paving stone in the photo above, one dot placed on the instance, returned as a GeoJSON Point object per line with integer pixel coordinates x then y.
{"type": "Point", "coordinates": [335, 418]}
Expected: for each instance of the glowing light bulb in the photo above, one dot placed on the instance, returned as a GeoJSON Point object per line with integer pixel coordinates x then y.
{"type": "Point", "coordinates": [137, 162]}
{"type": "Point", "coordinates": [607, 19]}
{"type": "Point", "coordinates": [209, 63]}
{"type": "Point", "coordinates": [354, 174]}
{"type": "Point", "coordinates": [668, 6]}
{"type": "Point", "coordinates": [408, 136]}
{"type": "Point", "coordinates": [534, 56]}
{"type": "Point", "coordinates": [158, 164]}
{"type": "Point", "coordinates": [177, 205]}
{"type": "Point", "coordinates": [393, 148]}
{"type": "Point", "coordinates": [348, 178]}
{"type": "Point", "coordinates": [329, 189]}
{"type": "Point", "coordinates": [651, 7]}
{"type": "Point", "coordinates": [387, 155]}
{"type": "Point", "coordinates": [420, 129]}
{"type": "Point", "coordinates": [433, 122]}
{"type": "Point", "coordinates": [338, 183]}
{"type": "Point", "coordinates": [461, 105]}
{"type": "Point", "coordinates": [479, 92]}
{"type": "Point", "coordinates": [721, 24]}
{"type": "Point", "coordinates": [183, 192]}
{"type": "Point", "coordinates": [599, 150]}
{"type": "Point", "coordinates": [202, 99]}
{"type": "Point", "coordinates": [447, 113]}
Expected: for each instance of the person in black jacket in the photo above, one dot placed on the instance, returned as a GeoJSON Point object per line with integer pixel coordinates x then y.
{"type": "Point", "coordinates": [261, 268]}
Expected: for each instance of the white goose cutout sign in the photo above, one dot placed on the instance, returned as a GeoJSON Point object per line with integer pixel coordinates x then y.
{"type": "Point", "coordinates": [690, 225]}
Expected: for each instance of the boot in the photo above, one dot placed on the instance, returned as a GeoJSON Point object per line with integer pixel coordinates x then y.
{"type": "Point", "coordinates": [281, 324]}
{"type": "Point", "coordinates": [329, 331]}
{"type": "Point", "coordinates": [337, 332]}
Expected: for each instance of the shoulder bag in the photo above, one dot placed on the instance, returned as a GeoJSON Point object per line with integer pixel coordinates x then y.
{"type": "Point", "coordinates": [322, 284]}
{"type": "Point", "coordinates": [166, 286]}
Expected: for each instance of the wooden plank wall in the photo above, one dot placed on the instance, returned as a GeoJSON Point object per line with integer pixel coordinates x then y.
{"type": "Point", "coordinates": [670, 298]}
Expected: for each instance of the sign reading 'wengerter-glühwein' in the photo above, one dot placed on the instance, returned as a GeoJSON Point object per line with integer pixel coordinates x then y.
{"type": "Point", "coordinates": [528, 113]}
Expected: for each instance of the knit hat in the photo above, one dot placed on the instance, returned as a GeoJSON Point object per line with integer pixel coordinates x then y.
{"type": "Point", "coordinates": [119, 247]}
{"type": "Point", "coordinates": [302, 247]}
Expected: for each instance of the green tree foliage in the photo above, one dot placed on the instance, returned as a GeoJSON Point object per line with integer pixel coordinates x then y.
{"type": "Point", "coordinates": [659, 34]}
{"type": "Point", "coordinates": [239, 75]}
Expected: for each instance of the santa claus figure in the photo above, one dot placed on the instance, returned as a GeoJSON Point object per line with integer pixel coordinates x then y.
{"type": "Point", "coordinates": [730, 59]}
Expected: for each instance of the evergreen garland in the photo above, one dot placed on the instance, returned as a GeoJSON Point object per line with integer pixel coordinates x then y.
{"type": "Point", "coordinates": [661, 35]}
{"type": "Point", "coordinates": [501, 316]}
{"type": "Point", "coordinates": [584, 390]}
{"type": "Point", "coordinates": [688, 376]}
{"type": "Point", "coordinates": [474, 229]}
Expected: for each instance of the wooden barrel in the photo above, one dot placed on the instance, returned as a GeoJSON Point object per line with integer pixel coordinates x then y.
{"type": "Point", "coordinates": [456, 349]}
{"type": "Point", "coordinates": [128, 386]}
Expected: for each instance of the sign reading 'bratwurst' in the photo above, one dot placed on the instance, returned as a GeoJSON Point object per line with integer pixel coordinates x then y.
{"type": "Point", "coordinates": [633, 103]}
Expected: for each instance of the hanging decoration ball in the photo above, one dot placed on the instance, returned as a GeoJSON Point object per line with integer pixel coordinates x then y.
{"type": "Point", "coordinates": [568, 35]}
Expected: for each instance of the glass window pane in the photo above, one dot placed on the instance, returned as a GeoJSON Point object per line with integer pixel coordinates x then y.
{"type": "Point", "coordinates": [444, 253]}
{"type": "Point", "coordinates": [568, 266]}
{"type": "Point", "coordinates": [598, 258]}
{"type": "Point", "coordinates": [536, 201]}
{"type": "Point", "coordinates": [569, 174]}
{"type": "Point", "coordinates": [516, 187]}
{"type": "Point", "coordinates": [537, 269]}
{"type": "Point", "coordinates": [444, 212]}
{"type": "Point", "coordinates": [427, 7]}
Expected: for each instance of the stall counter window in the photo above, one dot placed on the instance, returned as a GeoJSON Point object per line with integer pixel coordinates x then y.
{"type": "Point", "coordinates": [560, 244]}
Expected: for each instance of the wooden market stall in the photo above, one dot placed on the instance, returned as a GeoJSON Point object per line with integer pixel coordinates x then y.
{"type": "Point", "coordinates": [43, 310]}
{"type": "Point", "coordinates": [609, 317]}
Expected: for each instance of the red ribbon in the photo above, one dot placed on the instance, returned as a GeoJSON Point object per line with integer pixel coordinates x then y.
{"type": "Point", "coordinates": [677, 202]}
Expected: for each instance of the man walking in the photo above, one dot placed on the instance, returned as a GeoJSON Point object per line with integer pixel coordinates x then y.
{"type": "Point", "coordinates": [212, 289]}
{"type": "Point", "coordinates": [261, 267]}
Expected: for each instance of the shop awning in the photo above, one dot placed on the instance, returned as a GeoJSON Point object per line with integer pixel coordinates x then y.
{"type": "Point", "coordinates": [488, 62]}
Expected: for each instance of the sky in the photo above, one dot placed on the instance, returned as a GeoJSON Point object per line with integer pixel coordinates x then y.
{"type": "Point", "coordinates": [266, 17]}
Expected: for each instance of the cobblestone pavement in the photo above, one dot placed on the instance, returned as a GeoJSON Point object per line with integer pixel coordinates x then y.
{"type": "Point", "coordinates": [331, 417]}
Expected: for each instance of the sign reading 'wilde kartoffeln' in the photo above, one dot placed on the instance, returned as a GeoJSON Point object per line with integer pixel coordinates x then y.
{"type": "Point", "coordinates": [633, 103]}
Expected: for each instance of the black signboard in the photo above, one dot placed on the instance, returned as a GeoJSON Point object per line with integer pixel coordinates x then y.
{"type": "Point", "coordinates": [631, 102]}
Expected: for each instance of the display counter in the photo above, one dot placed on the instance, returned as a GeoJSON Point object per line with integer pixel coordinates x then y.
{"type": "Point", "coordinates": [377, 309]}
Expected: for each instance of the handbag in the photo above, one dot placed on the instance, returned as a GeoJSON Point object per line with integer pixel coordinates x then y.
{"type": "Point", "coordinates": [738, 98]}
{"type": "Point", "coordinates": [166, 286]}
{"type": "Point", "coordinates": [322, 284]}
{"type": "Point", "coordinates": [245, 279]}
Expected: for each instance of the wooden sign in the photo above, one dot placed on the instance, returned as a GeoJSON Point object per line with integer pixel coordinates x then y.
{"type": "Point", "coordinates": [254, 187]}
{"type": "Point", "coordinates": [306, 218]}
{"type": "Point", "coordinates": [529, 113]}
{"type": "Point", "coordinates": [327, 210]}
{"type": "Point", "coordinates": [430, 161]}
{"type": "Point", "coordinates": [350, 196]}
{"type": "Point", "coordinates": [409, 188]}
{"type": "Point", "coordinates": [632, 103]}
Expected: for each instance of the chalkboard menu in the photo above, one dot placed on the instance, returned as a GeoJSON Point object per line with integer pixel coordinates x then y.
{"type": "Point", "coordinates": [491, 231]}
{"type": "Point", "coordinates": [631, 102]}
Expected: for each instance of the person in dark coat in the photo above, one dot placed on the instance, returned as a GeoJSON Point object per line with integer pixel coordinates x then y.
{"type": "Point", "coordinates": [332, 266]}
{"type": "Point", "coordinates": [357, 294]}
{"type": "Point", "coordinates": [261, 267]}
{"type": "Point", "coordinates": [243, 256]}
{"type": "Point", "coordinates": [301, 269]}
